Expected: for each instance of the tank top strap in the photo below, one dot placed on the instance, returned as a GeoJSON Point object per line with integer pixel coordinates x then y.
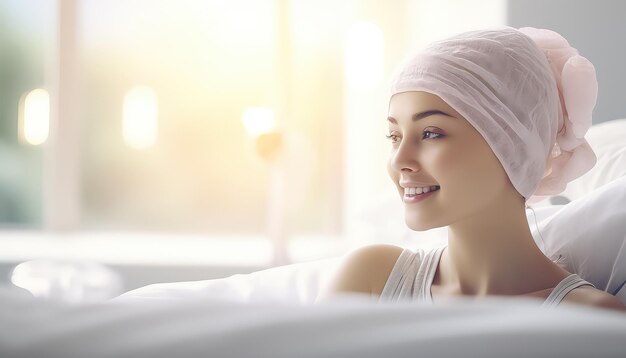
{"type": "Point", "coordinates": [564, 287]}
{"type": "Point", "coordinates": [427, 274]}
{"type": "Point", "coordinates": [400, 282]}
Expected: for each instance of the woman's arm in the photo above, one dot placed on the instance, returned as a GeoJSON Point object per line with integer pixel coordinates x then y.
{"type": "Point", "coordinates": [607, 300]}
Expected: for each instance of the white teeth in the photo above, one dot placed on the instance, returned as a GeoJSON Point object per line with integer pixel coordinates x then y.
{"type": "Point", "coordinates": [417, 191]}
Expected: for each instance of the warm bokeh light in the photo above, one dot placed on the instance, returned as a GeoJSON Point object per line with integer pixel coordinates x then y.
{"type": "Point", "coordinates": [364, 55]}
{"type": "Point", "coordinates": [140, 117]}
{"type": "Point", "coordinates": [258, 120]}
{"type": "Point", "coordinates": [36, 116]}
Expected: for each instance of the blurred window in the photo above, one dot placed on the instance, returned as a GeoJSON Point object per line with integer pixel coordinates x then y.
{"type": "Point", "coordinates": [163, 86]}
{"type": "Point", "coordinates": [24, 36]}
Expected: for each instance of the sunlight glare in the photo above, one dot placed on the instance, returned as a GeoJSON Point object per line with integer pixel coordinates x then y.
{"type": "Point", "coordinates": [140, 117]}
{"type": "Point", "coordinates": [258, 120]}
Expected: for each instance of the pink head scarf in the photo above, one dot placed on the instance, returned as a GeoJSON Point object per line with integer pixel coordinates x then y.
{"type": "Point", "coordinates": [527, 92]}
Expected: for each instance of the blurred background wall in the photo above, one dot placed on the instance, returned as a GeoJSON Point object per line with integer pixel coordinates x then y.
{"type": "Point", "coordinates": [597, 30]}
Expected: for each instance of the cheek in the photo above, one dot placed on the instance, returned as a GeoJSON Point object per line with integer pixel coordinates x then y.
{"type": "Point", "coordinates": [472, 170]}
{"type": "Point", "coordinates": [444, 164]}
{"type": "Point", "coordinates": [456, 168]}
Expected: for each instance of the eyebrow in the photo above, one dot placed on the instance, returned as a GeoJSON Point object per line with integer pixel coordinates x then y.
{"type": "Point", "coordinates": [417, 116]}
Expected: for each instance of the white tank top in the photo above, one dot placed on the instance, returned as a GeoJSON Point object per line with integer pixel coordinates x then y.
{"type": "Point", "coordinates": [412, 276]}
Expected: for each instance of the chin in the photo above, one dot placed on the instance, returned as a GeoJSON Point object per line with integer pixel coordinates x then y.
{"type": "Point", "coordinates": [417, 225]}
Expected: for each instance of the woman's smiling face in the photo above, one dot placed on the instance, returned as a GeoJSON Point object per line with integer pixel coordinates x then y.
{"type": "Point", "coordinates": [432, 144]}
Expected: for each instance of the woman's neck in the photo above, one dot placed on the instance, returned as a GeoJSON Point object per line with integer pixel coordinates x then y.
{"type": "Point", "coordinates": [495, 255]}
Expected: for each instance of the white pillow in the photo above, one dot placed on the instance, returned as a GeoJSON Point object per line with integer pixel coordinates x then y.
{"type": "Point", "coordinates": [608, 140]}
{"type": "Point", "coordinates": [589, 234]}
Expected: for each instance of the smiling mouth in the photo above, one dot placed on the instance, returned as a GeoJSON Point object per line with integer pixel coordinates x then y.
{"type": "Point", "coordinates": [406, 195]}
{"type": "Point", "coordinates": [414, 199]}
{"type": "Point", "coordinates": [412, 195]}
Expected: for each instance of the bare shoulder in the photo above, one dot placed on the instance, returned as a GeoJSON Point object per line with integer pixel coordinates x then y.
{"type": "Point", "coordinates": [362, 270]}
{"type": "Point", "coordinates": [592, 296]}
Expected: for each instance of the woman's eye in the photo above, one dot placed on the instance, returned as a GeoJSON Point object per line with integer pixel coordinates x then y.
{"type": "Point", "coordinates": [394, 138]}
{"type": "Point", "coordinates": [438, 135]}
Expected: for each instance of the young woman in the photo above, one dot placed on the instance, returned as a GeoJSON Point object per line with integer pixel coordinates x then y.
{"type": "Point", "coordinates": [480, 124]}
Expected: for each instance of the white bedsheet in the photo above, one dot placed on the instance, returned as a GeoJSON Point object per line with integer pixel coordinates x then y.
{"type": "Point", "coordinates": [348, 326]}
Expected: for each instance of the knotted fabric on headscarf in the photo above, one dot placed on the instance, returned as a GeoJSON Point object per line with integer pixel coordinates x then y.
{"type": "Point", "coordinates": [526, 91]}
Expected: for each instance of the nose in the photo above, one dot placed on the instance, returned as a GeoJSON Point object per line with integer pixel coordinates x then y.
{"type": "Point", "coordinates": [404, 158]}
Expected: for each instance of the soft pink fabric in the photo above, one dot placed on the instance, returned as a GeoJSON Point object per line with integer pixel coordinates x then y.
{"type": "Point", "coordinates": [527, 92]}
{"type": "Point", "coordinates": [576, 80]}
